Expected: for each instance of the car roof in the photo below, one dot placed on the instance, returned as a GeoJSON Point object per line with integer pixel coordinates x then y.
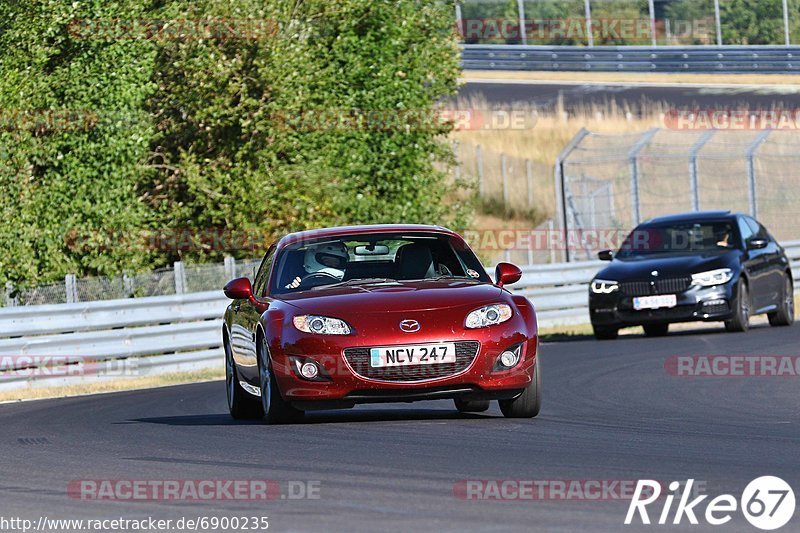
{"type": "Point", "coordinates": [371, 229]}
{"type": "Point", "coordinates": [697, 216]}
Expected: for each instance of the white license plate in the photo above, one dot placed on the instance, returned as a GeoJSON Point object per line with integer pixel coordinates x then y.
{"type": "Point", "coordinates": [418, 354]}
{"type": "Point", "coordinates": [655, 302]}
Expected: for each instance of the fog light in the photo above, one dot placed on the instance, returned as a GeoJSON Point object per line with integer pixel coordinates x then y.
{"type": "Point", "coordinates": [509, 359]}
{"type": "Point", "coordinates": [309, 370]}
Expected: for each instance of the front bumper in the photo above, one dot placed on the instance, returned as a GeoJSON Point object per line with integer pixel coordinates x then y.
{"type": "Point", "coordinates": [345, 385]}
{"type": "Point", "coordinates": [707, 304]}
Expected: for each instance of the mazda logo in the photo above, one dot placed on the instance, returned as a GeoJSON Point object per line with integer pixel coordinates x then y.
{"type": "Point", "coordinates": [409, 326]}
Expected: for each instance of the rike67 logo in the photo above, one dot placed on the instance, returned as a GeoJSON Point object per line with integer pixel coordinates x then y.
{"type": "Point", "coordinates": [767, 503]}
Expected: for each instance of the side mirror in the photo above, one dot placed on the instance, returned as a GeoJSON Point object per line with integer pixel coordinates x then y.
{"type": "Point", "coordinates": [758, 244]}
{"type": "Point", "coordinates": [239, 289]}
{"type": "Point", "coordinates": [507, 274]}
{"type": "Point", "coordinates": [606, 255]}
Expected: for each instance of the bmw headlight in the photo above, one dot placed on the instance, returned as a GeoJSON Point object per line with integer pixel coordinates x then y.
{"type": "Point", "coordinates": [601, 286]}
{"type": "Point", "coordinates": [712, 277]}
{"type": "Point", "coordinates": [321, 325]}
{"type": "Point", "coordinates": [488, 316]}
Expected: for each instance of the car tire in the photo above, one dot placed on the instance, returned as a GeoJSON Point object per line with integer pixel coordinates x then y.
{"type": "Point", "coordinates": [784, 316]}
{"type": "Point", "coordinates": [242, 406]}
{"type": "Point", "coordinates": [604, 333]}
{"type": "Point", "coordinates": [471, 406]}
{"type": "Point", "coordinates": [529, 403]}
{"type": "Point", "coordinates": [656, 330]}
{"type": "Point", "coordinates": [741, 308]}
{"type": "Point", "coordinates": [275, 409]}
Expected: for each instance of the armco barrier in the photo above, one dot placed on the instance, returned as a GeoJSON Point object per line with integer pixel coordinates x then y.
{"type": "Point", "coordinates": [172, 333]}
{"type": "Point", "coordinates": [701, 59]}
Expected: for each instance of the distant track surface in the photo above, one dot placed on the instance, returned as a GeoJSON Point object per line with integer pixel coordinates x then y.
{"type": "Point", "coordinates": [611, 412]}
{"type": "Point", "coordinates": [637, 98]}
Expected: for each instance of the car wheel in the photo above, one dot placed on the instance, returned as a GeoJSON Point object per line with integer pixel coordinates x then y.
{"type": "Point", "coordinates": [741, 318]}
{"type": "Point", "coordinates": [529, 403]}
{"type": "Point", "coordinates": [471, 406]}
{"type": "Point", "coordinates": [241, 405]}
{"type": "Point", "coordinates": [603, 333]}
{"type": "Point", "coordinates": [656, 330]}
{"type": "Point", "coordinates": [276, 410]}
{"type": "Point", "coordinates": [784, 316]}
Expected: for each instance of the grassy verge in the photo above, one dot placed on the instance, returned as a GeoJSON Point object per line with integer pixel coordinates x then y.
{"type": "Point", "coordinates": [631, 77]}
{"type": "Point", "coordinates": [178, 378]}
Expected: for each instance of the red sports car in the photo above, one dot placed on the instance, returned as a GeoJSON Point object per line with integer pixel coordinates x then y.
{"type": "Point", "coordinates": [389, 313]}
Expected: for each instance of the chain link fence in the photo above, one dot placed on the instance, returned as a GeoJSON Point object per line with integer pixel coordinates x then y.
{"type": "Point", "coordinates": [611, 183]}
{"type": "Point", "coordinates": [179, 279]}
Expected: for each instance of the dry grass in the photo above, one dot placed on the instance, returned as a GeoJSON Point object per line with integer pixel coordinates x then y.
{"type": "Point", "coordinates": [701, 79]}
{"type": "Point", "coordinates": [165, 380]}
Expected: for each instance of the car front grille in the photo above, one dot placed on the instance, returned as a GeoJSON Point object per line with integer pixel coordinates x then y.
{"type": "Point", "coordinates": [359, 358]}
{"type": "Point", "coordinates": [659, 286]}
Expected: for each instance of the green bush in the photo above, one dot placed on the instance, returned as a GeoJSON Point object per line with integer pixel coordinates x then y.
{"type": "Point", "coordinates": [190, 134]}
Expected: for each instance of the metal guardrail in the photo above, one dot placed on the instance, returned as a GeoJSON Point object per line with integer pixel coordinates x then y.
{"type": "Point", "coordinates": [699, 59]}
{"type": "Point", "coordinates": [173, 333]}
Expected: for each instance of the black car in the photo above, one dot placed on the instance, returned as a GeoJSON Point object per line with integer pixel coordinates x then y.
{"type": "Point", "coordinates": [711, 266]}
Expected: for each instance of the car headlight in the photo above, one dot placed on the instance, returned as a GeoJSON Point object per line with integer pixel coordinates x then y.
{"type": "Point", "coordinates": [488, 316]}
{"type": "Point", "coordinates": [321, 325]}
{"type": "Point", "coordinates": [712, 277]}
{"type": "Point", "coordinates": [601, 286]}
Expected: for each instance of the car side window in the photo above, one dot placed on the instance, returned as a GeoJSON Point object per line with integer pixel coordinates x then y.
{"type": "Point", "coordinates": [260, 284]}
{"type": "Point", "coordinates": [759, 231]}
{"type": "Point", "coordinates": [746, 231]}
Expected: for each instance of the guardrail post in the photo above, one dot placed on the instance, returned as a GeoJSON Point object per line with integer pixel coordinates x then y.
{"type": "Point", "coordinates": [504, 174]}
{"type": "Point", "coordinates": [230, 267]}
{"type": "Point", "coordinates": [751, 171]}
{"type": "Point", "coordinates": [587, 5]}
{"type": "Point", "coordinates": [479, 165]}
{"type": "Point", "coordinates": [71, 288]}
{"type": "Point", "coordinates": [460, 21]}
{"type": "Point", "coordinates": [457, 154]}
{"type": "Point", "coordinates": [10, 299]}
{"type": "Point", "coordinates": [651, 6]}
{"type": "Point", "coordinates": [180, 278]}
{"type": "Point", "coordinates": [786, 22]}
{"type": "Point", "coordinates": [529, 176]}
{"type": "Point", "coordinates": [693, 187]}
{"type": "Point", "coordinates": [127, 285]}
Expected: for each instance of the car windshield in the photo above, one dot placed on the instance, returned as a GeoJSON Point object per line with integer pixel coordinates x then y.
{"type": "Point", "coordinates": [357, 259]}
{"type": "Point", "coordinates": [679, 238]}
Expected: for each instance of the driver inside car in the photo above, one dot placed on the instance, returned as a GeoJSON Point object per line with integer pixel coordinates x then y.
{"type": "Point", "coordinates": [327, 259]}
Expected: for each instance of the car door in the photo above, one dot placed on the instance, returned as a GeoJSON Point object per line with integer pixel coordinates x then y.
{"type": "Point", "coordinates": [245, 318]}
{"type": "Point", "coordinates": [776, 265]}
{"type": "Point", "coordinates": [754, 262]}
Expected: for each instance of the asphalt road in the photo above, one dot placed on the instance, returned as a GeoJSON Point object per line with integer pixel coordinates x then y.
{"type": "Point", "coordinates": [636, 98]}
{"type": "Point", "coordinates": [611, 412]}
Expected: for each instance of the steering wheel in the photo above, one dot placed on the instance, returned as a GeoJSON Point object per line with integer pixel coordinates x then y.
{"type": "Point", "coordinates": [316, 279]}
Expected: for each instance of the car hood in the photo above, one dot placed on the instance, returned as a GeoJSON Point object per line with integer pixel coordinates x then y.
{"type": "Point", "coordinates": [389, 297]}
{"type": "Point", "coordinates": [667, 266]}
